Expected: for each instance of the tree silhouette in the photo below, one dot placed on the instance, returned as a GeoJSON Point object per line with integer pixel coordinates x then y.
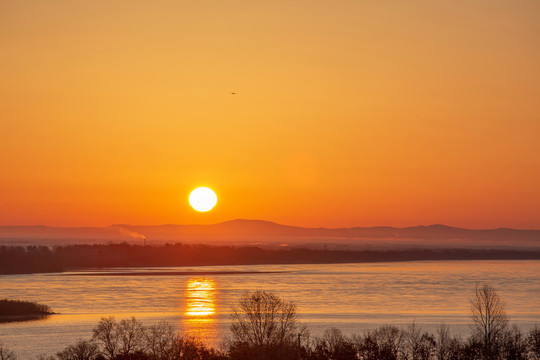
{"type": "Point", "coordinates": [264, 326]}
{"type": "Point", "coordinates": [83, 350]}
{"type": "Point", "coordinates": [489, 320]}
{"type": "Point", "coordinates": [106, 335]}
{"type": "Point", "coordinates": [421, 345]}
{"type": "Point", "coordinates": [533, 343]}
{"type": "Point", "coordinates": [334, 345]}
{"type": "Point", "coordinates": [384, 343]}
{"type": "Point", "coordinates": [5, 353]}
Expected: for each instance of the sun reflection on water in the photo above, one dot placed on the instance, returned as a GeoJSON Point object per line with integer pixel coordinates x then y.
{"type": "Point", "coordinates": [199, 318]}
{"type": "Point", "coordinates": [200, 298]}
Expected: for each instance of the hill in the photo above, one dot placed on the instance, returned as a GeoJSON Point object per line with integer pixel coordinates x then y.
{"type": "Point", "coordinates": [266, 233]}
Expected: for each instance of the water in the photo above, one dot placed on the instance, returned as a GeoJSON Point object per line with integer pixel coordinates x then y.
{"type": "Point", "coordinates": [352, 297]}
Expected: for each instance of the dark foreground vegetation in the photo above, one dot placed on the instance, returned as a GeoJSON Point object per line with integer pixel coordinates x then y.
{"type": "Point", "coordinates": [265, 327]}
{"type": "Point", "coordinates": [36, 259]}
{"type": "Point", "coordinates": [12, 310]}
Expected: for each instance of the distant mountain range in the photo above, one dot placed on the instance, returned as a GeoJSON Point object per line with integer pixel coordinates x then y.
{"type": "Point", "coordinates": [265, 233]}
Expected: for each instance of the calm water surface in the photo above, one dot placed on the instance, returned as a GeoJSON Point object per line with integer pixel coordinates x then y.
{"type": "Point", "coordinates": [352, 297]}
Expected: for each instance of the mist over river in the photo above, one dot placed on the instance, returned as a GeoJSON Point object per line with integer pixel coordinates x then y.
{"type": "Point", "coordinates": [352, 297]}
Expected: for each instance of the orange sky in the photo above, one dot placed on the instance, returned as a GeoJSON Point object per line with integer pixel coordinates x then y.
{"type": "Point", "coordinates": [348, 113]}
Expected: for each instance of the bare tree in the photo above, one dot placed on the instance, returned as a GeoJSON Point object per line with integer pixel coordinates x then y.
{"type": "Point", "coordinates": [106, 335]}
{"type": "Point", "coordinates": [384, 343]}
{"type": "Point", "coordinates": [333, 345]}
{"type": "Point", "coordinates": [124, 338]}
{"type": "Point", "coordinates": [413, 337]}
{"type": "Point", "coordinates": [421, 346]}
{"type": "Point", "coordinates": [160, 341]}
{"type": "Point", "coordinates": [83, 350]}
{"type": "Point", "coordinates": [489, 320]}
{"type": "Point", "coordinates": [443, 342]}
{"type": "Point", "coordinates": [533, 343]}
{"type": "Point", "coordinates": [514, 345]}
{"type": "Point", "coordinates": [131, 336]}
{"type": "Point", "coordinates": [263, 325]}
{"type": "Point", "coordinates": [5, 353]}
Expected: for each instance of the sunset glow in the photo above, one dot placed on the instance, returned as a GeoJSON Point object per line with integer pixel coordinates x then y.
{"type": "Point", "coordinates": [345, 113]}
{"type": "Point", "coordinates": [269, 179]}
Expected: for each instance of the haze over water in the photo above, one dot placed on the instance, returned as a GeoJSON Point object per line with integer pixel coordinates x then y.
{"type": "Point", "coordinates": [352, 297]}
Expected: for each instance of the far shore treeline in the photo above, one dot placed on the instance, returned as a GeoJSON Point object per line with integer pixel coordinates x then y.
{"type": "Point", "coordinates": [39, 259]}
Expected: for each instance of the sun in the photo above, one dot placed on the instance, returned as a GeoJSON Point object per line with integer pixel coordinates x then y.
{"type": "Point", "coordinates": [202, 199]}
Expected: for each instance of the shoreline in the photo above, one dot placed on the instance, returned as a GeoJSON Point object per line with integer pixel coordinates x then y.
{"type": "Point", "coordinates": [66, 272]}
{"type": "Point", "coordinates": [20, 318]}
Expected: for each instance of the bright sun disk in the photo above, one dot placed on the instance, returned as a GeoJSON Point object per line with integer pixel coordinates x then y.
{"type": "Point", "coordinates": [202, 199]}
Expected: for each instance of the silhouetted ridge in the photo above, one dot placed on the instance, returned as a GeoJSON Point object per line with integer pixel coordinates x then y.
{"type": "Point", "coordinates": [245, 231]}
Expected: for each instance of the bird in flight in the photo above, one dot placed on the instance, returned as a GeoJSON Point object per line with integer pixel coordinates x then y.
{"type": "Point", "coordinates": [233, 93]}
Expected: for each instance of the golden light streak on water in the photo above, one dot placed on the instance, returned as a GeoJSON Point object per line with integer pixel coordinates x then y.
{"type": "Point", "coordinates": [199, 319]}
{"type": "Point", "coordinates": [200, 298]}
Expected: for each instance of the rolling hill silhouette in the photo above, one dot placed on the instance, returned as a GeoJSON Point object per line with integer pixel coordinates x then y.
{"type": "Point", "coordinates": [259, 232]}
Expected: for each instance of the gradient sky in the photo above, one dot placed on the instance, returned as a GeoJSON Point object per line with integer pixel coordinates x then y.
{"type": "Point", "coordinates": [347, 112]}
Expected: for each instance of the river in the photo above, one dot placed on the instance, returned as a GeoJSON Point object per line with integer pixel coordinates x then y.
{"type": "Point", "coordinates": [352, 297]}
